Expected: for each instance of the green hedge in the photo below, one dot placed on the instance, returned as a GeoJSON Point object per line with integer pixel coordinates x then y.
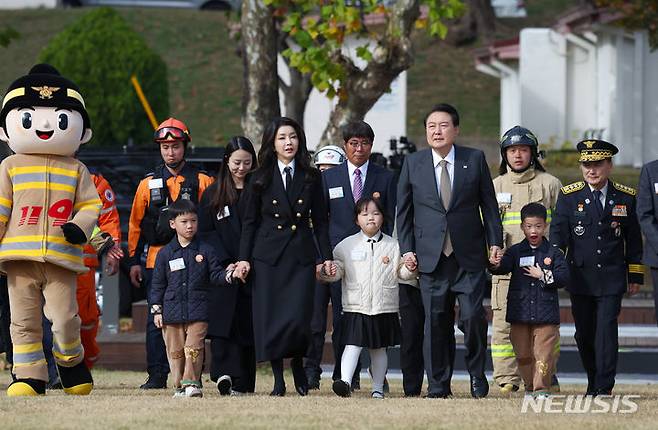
{"type": "Point", "coordinates": [100, 52]}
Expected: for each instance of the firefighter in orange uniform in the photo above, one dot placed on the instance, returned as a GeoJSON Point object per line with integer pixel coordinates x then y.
{"type": "Point", "coordinates": [149, 226]}
{"type": "Point", "coordinates": [108, 222]}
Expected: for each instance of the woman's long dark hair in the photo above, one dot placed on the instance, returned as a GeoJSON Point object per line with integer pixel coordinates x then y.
{"type": "Point", "coordinates": [267, 158]}
{"type": "Point", "coordinates": [226, 193]}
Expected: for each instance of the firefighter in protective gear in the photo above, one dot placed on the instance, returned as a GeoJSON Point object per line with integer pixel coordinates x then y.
{"type": "Point", "coordinates": [108, 222]}
{"type": "Point", "coordinates": [48, 209]}
{"type": "Point", "coordinates": [328, 157]}
{"type": "Point", "coordinates": [149, 225]}
{"type": "Point", "coordinates": [522, 180]}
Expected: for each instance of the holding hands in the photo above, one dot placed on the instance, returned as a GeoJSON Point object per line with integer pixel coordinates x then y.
{"type": "Point", "coordinates": [495, 255]}
{"type": "Point", "coordinates": [241, 270]}
{"type": "Point", "coordinates": [410, 261]}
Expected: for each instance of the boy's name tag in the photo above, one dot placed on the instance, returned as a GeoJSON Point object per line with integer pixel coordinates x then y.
{"type": "Point", "coordinates": [504, 198]}
{"type": "Point", "coordinates": [223, 213]}
{"type": "Point", "coordinates": [155, 183]}
{"type": "Point", "coordinates": [527, 261]}
{"type": "Point", "coordinates": [177, 264]}
{"type": "Point", "coordinates": [358, 255]}
{"type": "Point", "coordinates": [336, 193]}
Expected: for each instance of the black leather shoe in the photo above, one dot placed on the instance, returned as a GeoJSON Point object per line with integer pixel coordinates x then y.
{"type": "Point", "coordinates": [341, 388]}
{"type": "Point", "coordinates": [278, 391]}
{"type": "Point", "coordinates": [479, 387]}
{"type": "Point", "coordinates": [313, 383]}
{"type": "Point", "coordinates": [154, 382]}
{"type": "Point", "coordinates": [603, 393]}
{"type": "Point", "coordinates": [299, 376]}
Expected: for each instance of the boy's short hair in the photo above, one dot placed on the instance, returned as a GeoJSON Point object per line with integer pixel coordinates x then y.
{"type": "Point", "coordinates": [181, 207]}
{"type": "Point", "coordinates": [535, 210]}
{"type": "Point", "coordinates": [357, 129]}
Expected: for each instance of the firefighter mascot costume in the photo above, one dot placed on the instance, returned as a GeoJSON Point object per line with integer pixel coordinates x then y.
{"type": "Point", "coordinates": [522, 180]}
{"type": "Point", "coordinates": [48, 210]}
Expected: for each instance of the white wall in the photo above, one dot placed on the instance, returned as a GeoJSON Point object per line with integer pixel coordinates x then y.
{"type": "Point", "coordinates": [20, 4]}
{"type": "Point", "coordinates": [542, 78]}
{"type": "Point", "coordinates": [388, 117]}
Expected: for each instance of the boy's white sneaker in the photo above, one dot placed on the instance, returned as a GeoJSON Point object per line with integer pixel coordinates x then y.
{"type": "Point", "coordinates": [192, 391]}
{"type": "Point", "coordinates": [180, 392]}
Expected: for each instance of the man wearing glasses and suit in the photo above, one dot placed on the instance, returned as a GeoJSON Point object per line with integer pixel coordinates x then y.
{"type": "Point", "coordinates": [447, 214]}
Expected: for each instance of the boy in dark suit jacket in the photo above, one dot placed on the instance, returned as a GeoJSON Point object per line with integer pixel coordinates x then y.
{"type": "Point", "coordinates": [184, 270]}
{"type": "Point", "coordinates": [533, 308]}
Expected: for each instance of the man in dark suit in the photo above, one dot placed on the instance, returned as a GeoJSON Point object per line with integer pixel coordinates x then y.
{"type": "Point", "coordinates": [647, 212]}
{"type": "Point", "coordinates": [343, 185]}
{"type": "Point", "coordinates": [595, 222]}
{"type": "Point", "coordinates": [447, 213]}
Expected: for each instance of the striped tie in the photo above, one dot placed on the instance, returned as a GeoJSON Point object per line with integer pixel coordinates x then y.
{"type": "Point", "coordinates": [357, 188]}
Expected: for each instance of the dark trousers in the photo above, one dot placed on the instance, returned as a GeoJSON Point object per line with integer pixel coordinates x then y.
{"type": "Point", "coordinates": [597, 338]}
{"type": "Point", "coordinates": [447, 283]}
{"type": "Point", "coordinates": [156, 352]}
{"type": "Point", "coordinates": [237, 361]}
{"type": "Point", "coordinates": [412, 320]}
{"type": "Point", "coordinates": [324, 292]}
{"type": "Point", "coordinates": [654, 279]}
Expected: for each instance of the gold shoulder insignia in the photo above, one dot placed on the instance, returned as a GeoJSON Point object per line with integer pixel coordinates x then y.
{"type": "Point", "coordinates": [624, 188]}
{"type": "Point", "coordinates": [576, 186]}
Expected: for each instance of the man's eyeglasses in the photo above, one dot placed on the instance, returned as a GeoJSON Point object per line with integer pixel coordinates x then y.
{"type": "Point", "coordinates": [362, 143]}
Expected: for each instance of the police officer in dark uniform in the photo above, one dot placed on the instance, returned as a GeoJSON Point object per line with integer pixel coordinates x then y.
{"type": "Point", "coordinates": [595, 223]}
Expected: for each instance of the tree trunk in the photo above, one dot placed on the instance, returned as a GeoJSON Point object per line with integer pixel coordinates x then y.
{"type": "Point", "coordinates": [485, 18]}
{"type": "Point", "coordinates": [296, 94]}
{"type": "Point", "coordinates": [392, 56]}
{"type": "Point", "coordinates": [260, 96]}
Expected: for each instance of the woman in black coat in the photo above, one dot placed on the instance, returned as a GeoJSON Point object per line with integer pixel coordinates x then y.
{"type": "Point", "coordinates": [230, 329]}
{"type": "Point", "coordinates": [284, 210]}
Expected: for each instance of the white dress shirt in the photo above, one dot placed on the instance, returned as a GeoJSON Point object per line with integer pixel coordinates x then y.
{"type": "Point", "coordinates": [283, 173]}
{"type": "Point", "coordinates": [350, 172]}
{"type": "Point", "coordinates": [450, 159]}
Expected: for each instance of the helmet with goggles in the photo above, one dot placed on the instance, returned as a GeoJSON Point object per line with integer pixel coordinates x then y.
{"type": "Point", "coordinates": [172, 130]}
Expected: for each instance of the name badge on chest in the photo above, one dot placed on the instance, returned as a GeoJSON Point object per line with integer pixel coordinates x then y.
{"type": "Point", "coordinates": [358, 255]}
{"type": "Point", "coordinates": [223, 213]}
{"type": "Point", "coordinates": [527, 261]}
{"type": "Point", "coordinates": [619, 210]}
{"type": "Point", "coordinates": [336, 193]}
{"type": "Point", "coordinates": [155, 183]}
{"type": "Point", "coordinates": [504, 198]}
{"type": "Point", "coordinates": [177, 264]}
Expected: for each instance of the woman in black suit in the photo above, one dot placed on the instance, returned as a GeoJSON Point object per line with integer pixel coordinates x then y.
{"type": "Point", "coordinates": [230, 328]}
{"type": "Point", "coordinates": [284, 211]}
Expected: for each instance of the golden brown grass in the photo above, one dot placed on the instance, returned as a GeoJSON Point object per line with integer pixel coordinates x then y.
{"type": "Point", "coordinates": [116, 403]}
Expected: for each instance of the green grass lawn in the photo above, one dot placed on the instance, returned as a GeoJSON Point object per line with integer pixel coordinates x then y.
{"type": "Point", "coordinates": [205, 74]}
{"type": "Point", "coordinates": [116, 403]}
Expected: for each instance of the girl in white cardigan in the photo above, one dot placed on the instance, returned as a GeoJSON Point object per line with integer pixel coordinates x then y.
{"type": "Point", "coordinates": [370, 265]}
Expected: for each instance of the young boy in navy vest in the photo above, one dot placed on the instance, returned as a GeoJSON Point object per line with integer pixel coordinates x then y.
{"type": "Point", "coordinates": [533, 308]}
{"type": "Point", "coordinates": [185, 270]}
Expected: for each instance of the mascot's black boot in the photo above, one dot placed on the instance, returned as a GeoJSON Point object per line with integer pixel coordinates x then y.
{"type": "Point", "coordinates": [26, 387]}
{"type": "Point", "coordinates": [76, 380]}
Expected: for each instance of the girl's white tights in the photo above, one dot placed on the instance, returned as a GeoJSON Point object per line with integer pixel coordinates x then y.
{"type": "Point", "coordinates": [378, 365]}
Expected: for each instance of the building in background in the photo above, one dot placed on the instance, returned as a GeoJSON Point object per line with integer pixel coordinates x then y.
{"type": "Point", "coordinates": [583, 77]}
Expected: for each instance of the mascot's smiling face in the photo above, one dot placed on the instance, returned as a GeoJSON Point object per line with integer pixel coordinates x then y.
{"type": "Point", "coordinates": [45, 130]}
